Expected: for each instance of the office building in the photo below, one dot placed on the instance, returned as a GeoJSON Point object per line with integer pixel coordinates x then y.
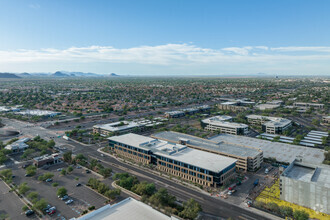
{"type": "Point", "coordinates": [122, 127]}
{"type": "Point", "coordinates": [178, 160]}
{"type": "Point", "coordinates": [267, 106]}
{"type": "Point", "coordinates": [308, 105]}
{"type": "Point", "coordinates": [306, 185]}
{"type": "Point", "coordinates": [248, 158]}
{"type": "Point", "coordinates": [187, 111]}
{"type": "Point", "coordinates": [223, 124]}
{"type": "Point", "coordinates": [271, 125]}
{"type": "Point", "coordinates": [326, 119]}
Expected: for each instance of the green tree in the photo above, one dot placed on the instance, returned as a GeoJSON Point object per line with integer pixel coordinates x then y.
{"type": "Point", "coordinates": [31, 170]}
{"type": "Point", "coordinates": [300, 215]}
{"type": "Point", "coordinates": [23, 188]}
{"type": "Point", "coordinates": [67, 157]}
{"type": "Point", "coordinates": [63, 172]}
{"type": "Point", "coordinates": [112, 193]}
{"type": "Point", "coordinates": [191, 208]}
{"type": "Point", "coordinates": [69, 169]}
{"type": "Point", "coordinates": [33, 196]}
{"type": "Point", "coordinates": [61, 191]}
{"type": "Point", "coordinates": [45, 176]}
{"type": "Point", "coordinates": [286, 211]}
{"type": "Point", "coordinates": [41, 204]}
{"type": "Point", "coordinates": [51, 144]}
{"type": "Point", "coordinates": [6, 174]}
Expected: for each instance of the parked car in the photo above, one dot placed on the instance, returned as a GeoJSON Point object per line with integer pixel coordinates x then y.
{"type": "Point", "coordinates": [78, 167]}
{"type": "Point", "coordinates": [29, 212]}
{"type": "Point", "coordinates": [59, 169]}
{"type": "Point", "coordinates": [49, 180]}
{"type": "Point", "coordinates": [78, 184]}
{"type": "Point", "coordinates": [27, 175]}
{"type": "Point", "coordinates": [88, 171]}
{"type": "Point", "coordinates": [69, 201]}
{"type": "Point", "coordinates": [231, 187]}
{"type": "Point", "coordinates": [65, 197]}
{"type": "Point", "coordinates": [47, 208]}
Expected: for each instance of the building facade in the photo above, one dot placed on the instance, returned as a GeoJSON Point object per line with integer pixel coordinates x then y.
{"type": "Point", "coordinates": [223, 124]}
{"type": "Point", "coordinates": [306, 185]}
{"type": "Point", "coordinates": [248, 158]}
{"type": "Point", "coordinates": [308, 105]}
{"type": "Point", "coordinates": [175, 159]}
{"type": "Point", "coordinates": [270, 125]}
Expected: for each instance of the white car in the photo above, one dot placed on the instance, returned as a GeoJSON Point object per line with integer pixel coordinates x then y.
{"type": "Point", "coordinates": [69, 201]}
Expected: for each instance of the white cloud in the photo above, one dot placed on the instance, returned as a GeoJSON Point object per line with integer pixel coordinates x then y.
{"type": "Point", "coordinates": [176, 56]}
{"type": "Point", "coordinates": [301, 49]}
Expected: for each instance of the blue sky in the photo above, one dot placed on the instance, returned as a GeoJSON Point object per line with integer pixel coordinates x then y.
{"type": "Point", "coordinates": [161, 37]}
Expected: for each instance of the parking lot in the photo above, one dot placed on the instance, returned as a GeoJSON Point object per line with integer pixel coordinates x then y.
{"type": "Point", "coordinates": [82, 196]}
{"type": "Point", "coordinates": [10, 204]}
{"type": "Point", "coordinates": [247, 189]}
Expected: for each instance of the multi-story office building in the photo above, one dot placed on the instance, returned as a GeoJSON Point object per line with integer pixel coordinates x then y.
{"type": "Point", "coordinates": [326, 119]}
{"type": "Point", "coordinates": [224, 125]}
{"type": "Point", "coordinates": [122, 127]}
{"type": "Point", "coordinates": [248, 158]}
{"type": "Point", "coordinates": [198, 166]}
{"type": "Point", "coordinates": [306, 185]}
{"type": "Point", "coordinates": [174, 114]}
{"type": "Point", "coordinates": [308, 105]}
{"type": "Point", "coordinates": [187, 111]}
{"type": "Point", "coordinates": [271, 125]}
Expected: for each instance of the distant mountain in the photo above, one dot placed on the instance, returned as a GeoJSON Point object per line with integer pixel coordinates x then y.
{"type": "Point", "coordinates": [113, 74]}
{"type": "Point", "coordinates": [59, 74]}
{"type": "Point", "coordinates": [9, 76]}
{"type": "Point", "coordinates": [25, 75]}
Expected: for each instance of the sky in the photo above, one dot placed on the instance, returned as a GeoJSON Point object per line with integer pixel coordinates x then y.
{"type": "Point", "coordinates": [166, 37]}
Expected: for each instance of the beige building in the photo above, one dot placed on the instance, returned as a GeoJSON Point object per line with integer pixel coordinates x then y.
{"type": "Point", "coordinates": [190, 164]}
{"type": "Point", "coordinates": [248, 158]}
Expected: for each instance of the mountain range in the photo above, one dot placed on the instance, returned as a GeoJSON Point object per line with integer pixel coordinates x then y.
{"type": "Point", "coordinates": [58, 74]}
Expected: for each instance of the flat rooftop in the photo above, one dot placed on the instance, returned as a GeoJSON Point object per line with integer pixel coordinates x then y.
{"type": "Point", "coordinates": [118, 126]}
{"type": "Point", "coordinates": [309, 173]}
{"type": "Point", "coordinates": [178, 152]}
{"type": "Point", "coordinates": [209, 161]}
{"type": "Point", "coordinates": [128, 209]}
{"type": "Point", "coordinates": [270, 121]}
{"type": "Point", "coordinates": [215, 146]}
{"type": "Point", "coordinates": [133, 140]}
{"type": "Point", "coordinates": [222, 121]}
{"type": "Point", "coordinates": [281, 151]}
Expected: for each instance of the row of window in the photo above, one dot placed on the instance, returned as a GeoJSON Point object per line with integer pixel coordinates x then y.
{"type": "Point", "coordinates": [201, 176]}
{"type": "Point", "coordinates": [112, 143]}
{"type": "Point", "coordinates": [131, 152]}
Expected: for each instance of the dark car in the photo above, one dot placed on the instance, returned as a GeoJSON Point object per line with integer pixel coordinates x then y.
{"type": "Point", "coordinates": [88, 171]}
{"type": "Point", "coordinates": [78, 184]}
{"type": "Point", "coordinates": [29, 212]}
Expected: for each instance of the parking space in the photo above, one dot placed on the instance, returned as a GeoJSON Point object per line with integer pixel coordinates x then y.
{"type": "Point", "coordinates": [247, 190]}
{"type": "Point", "coordinates": [82, 196]}
{"type": "Point", "coordinates": [10, 204]}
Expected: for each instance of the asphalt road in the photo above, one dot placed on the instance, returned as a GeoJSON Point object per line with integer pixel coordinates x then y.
{"type": "Point", "coordinates": [209, 204]}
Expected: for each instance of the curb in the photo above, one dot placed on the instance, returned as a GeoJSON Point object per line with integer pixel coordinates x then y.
{"type": "Point", "coordinates": [135, 196]}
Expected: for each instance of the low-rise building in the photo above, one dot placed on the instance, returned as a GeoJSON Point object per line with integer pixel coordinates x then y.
{"type": "Point", "coordinates": [179, 160]}
{"type": "Point", "coordinates": [36, 112]}
{"type": "Point", "coordinates": [187, 111]}
{"type": "Point", "coordinates": [127, 209]}
{"type": "Point", "coordinates": [47, 160]}
{"type": "Point", "coordinates": [306, 185]}
{"type": "Point", "coordinates": [271, 125]}
{"type": "Point", "coordinates": [122, 127]}
{"type": "Point", "coordinates": [174, 114]}
{"type": "Point", "coordinates": [223, 124]}
{"type": "Point", "coordinates": [231, 107]}
{"type": "Point", "coordinates": [326, 119]}
{"type": "Point", "coordinates": [267, 106]}
{"type": "Point", "coordinates": [308, 105]}
{"type": "Point", "coordinates": [248, 158]}
{"type": "Point", "coordinates": [18, 146]}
